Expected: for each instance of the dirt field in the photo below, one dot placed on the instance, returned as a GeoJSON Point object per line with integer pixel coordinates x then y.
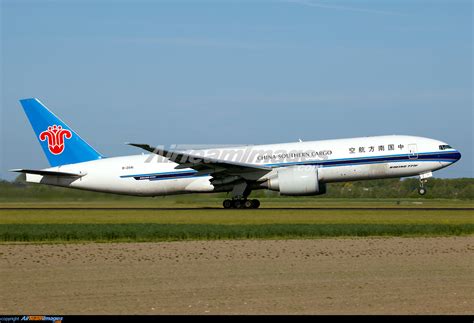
{"type": "Point", "coordinates": [323, 276]}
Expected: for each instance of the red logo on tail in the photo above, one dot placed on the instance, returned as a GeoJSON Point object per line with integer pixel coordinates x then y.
{"type": "Point", "coordinates": [55, 136]}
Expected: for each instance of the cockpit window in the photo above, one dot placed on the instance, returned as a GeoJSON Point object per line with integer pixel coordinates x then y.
{"type": "Point", "coordinates": [444, 147]}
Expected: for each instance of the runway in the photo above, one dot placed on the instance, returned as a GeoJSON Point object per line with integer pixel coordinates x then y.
{"type": "Point", "coordinates": [220, 208]}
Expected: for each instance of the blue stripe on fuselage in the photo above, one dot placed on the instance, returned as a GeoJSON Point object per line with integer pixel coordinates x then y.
{"type": "Point", "coordinates": [450, 156]}
{"type": "Point", "coordinates": [162, 173]}
{"type": "Point", "coordinates": [438, 156]}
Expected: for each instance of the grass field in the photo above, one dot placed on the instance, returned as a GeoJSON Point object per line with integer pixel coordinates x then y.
{"type": "Point", "coordinates": [169, 232]}
{"type": "Point", "coordinates": [175, 219]}
{"type": "Point", "coordinates": [204, 201]}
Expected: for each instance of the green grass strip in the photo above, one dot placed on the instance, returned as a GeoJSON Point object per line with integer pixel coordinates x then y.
{"type": "Point", "coordinates": [170, 232]}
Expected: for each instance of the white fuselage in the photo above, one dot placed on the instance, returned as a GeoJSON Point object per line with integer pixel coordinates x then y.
{"type": "Point", "coordinates": [337, 160]}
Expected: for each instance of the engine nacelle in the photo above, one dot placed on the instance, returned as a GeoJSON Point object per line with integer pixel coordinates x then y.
{"type": "Point", "coordinates": [297, 180]}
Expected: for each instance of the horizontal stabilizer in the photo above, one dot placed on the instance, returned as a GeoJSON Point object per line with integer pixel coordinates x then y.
{"type": "Point", "coordinates": [46, 172]}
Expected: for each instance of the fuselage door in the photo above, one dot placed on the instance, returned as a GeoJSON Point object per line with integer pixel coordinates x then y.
{"type": "Point", "coordinates": [413, 149]}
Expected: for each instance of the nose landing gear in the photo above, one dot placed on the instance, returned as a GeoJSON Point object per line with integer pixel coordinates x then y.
{"type": "Point", "coordinates": [421, 190]}
{"type": "Point", "coordinates": [423, 180]}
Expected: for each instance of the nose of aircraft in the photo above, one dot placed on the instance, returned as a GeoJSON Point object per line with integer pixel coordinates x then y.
{"type": "Point", "coordinates": [456, 156]}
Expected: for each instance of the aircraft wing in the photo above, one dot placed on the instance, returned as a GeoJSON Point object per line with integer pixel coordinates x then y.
{"type": "Point", "coordinates": [217, 168]}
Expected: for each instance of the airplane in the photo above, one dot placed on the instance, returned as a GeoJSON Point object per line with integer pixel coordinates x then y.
{"type": "Point", "coordinates": [300, 168]}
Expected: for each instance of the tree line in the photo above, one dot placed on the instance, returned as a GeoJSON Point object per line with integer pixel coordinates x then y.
{"type": "Point", "coordinates": [456, 188]}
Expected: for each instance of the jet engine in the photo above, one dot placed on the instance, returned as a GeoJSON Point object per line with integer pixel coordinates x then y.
{"type": "Point", "coordinates": [296, 180]}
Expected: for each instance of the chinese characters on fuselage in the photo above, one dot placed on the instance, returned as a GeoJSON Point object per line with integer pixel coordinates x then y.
{"type": "Point", "coordinates": [371, 149]}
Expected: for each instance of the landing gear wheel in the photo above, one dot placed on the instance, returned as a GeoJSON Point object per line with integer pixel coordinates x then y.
{"type": "Point", "coordinates": [248, 204]}
{"type": "Point", "coordinates": [238, 204]}
{"type": "Point", "coordinates": [227, 204]}
{"type": "Point", "coordinates": [422, 191]}
{"type": "Point", "coordinates": [255, 204]}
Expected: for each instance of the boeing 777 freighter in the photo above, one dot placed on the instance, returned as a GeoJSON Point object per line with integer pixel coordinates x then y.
{"type": "Point", "coordinates": [298, 168]}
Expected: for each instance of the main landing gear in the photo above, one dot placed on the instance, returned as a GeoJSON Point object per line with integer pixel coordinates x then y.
{"type": "Point", "coordinates": [241, 204]}
{"type": "Point", "coordinates": [239, 200]}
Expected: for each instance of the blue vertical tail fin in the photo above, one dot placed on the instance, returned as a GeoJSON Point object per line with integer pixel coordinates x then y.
{"type": "Point", "coordinates": [60, 143]}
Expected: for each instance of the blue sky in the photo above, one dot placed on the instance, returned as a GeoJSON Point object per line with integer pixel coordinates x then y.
{"type": "Point", "coordinates": [233, 72]}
